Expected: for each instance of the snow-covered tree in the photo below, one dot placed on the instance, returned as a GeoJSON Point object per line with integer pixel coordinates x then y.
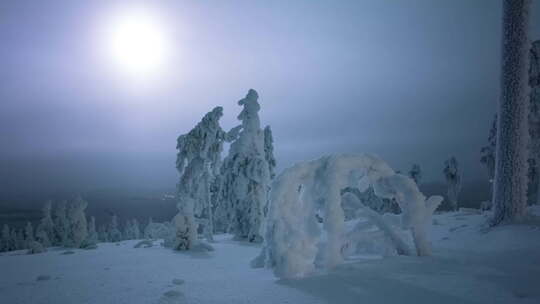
{"type": "Point", "coordinates": [45, 232]}
{"type": "Point", "coordinates": [61, 225]}
{"type": "Point", "coordinates": [136, 230]}
{"type": "Point", "coordinates": [453, 181]}
{"type": "Point", "coordinates": [113, 233]}
{"type": "Point", "coordinates": [103, 234]}
{"type": "Point", "coordinates": [35, 247]}
{"type": "Point", "coordinates": [534, 124]}
{"type": "Point", "coordinates": [246, 174]}
{"type": "Point", "coordinates": [510, 186]}
{"type": "Point", "coordinates": [92, 236]}
{"type": "Point", "coordinates": [416, 173]}
{"type": "Point", "coordinates": [78, 225]}
{"type": "Point", "coordinates": [148, 229]}
{"type": "Point", "coordinates": [6, 243]}
{"type": "Point", "coordinates": [197, 162]}
{"type": "Point", "coordinates": [269, 151]}
{"type": "Point", "coordinates": [43, 238]}
{"type": "Point", "coordinates": [294, 243]}
{"type": "Point", "coordinates": [29, 233]}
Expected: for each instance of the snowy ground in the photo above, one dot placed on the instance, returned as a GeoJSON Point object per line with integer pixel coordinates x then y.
{"type": "Point", "coordinates": [471, 264]}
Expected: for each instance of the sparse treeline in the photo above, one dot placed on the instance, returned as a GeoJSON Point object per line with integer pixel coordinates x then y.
{"type": "Point", "coordinates": [67, 225]}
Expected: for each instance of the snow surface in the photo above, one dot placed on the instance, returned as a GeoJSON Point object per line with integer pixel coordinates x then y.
{"type": "Point", "coordinates": [471, 263]}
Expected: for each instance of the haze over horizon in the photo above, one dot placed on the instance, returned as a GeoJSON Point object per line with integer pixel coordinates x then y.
{"type": "Point", "coordinates": [410, 83]}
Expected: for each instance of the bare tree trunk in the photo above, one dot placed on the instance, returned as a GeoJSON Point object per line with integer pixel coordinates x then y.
{"type": "Point", "coordinates": [510, 185]}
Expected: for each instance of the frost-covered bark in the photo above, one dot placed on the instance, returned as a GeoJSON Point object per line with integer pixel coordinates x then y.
{"type": "Point", "coordinates": [534, 124]}
{"type": "Point", "coordinates": [78, 224]}
{"type": "Point", "coordinates": [293, 238]}
{"type": "Point", "coordinates": [416, 173]}
{"type": "Point", "coordinates": [453, 181]}
{"type": "Point", "coordinates": [510, 187]}
{"type": "Point", "coordinates": [197, 162]}
{"type": "Point", "coordinates": [246, 174]}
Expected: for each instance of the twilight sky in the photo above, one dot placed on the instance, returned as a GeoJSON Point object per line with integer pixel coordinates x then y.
{"type": "Point", "coordinates": [411, 81]}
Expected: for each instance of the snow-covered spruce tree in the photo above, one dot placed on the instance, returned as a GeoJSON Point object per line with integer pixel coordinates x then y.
{"type": "Point", "coordinates": [29, 234]}
{"type": "Point", "coordinates": [136, 230]}
{"type": "Point", "coordinates": [77, 221]}
{"type": "Point", "coordinates": [453, 181]}
{"type": "Point", "coordinates": [148, 229]}
{"type": "Point", "coordinates": [61, 224]}
{"type": "Point", "coordinates": [92, 236]}
{"type": "Point", "coordinates": [113, 233]}
{"type": "Point", "coordinates": [416, 173]}
{"type": "Point", "coordinates": [45, 231]}
{"type": "Point", "coordinates": [510, 187]}
{"type": "Point", "coordinates": [6, 243]}
{"type": "Point", "coordinates": [127, 234]}
{"type": "Point", "coordinates": [246, 174]}
{"type": "Point", "coordinates": [103, 234]}
{"type": "Point", "coordinates": [534, 124]}
{"type": "Point", "coordinates": [197, 162]}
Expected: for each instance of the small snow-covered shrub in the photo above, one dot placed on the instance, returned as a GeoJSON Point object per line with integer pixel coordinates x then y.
{"type": "Point", "coordinates": [35, 247]}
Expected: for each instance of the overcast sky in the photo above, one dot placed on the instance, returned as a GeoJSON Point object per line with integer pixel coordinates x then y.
{"type": "Point", "coordinates": [411, 81]}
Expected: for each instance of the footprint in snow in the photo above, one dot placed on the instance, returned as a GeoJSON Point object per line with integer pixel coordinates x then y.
{"type": "Point", "coordinates": [43, 277]}
{"type": "Point", "coordinates": [172, 296]}
{"type": "Point", "coordinates": [178, 281]}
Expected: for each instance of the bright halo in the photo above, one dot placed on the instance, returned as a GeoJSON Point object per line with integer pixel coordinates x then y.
{"type": "Point", "coordinates": [136, 43]}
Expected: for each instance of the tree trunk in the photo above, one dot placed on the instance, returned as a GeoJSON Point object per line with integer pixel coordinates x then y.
{"type": "Point", "coordinates": [510, 187]}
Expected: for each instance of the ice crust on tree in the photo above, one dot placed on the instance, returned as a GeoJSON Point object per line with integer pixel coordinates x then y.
{"type": "Point", "coordinates": [293, 236]}
{"type": "Point", "coordinates": [246, 174]}
{"type": "Point", "coordinates": [453, 181]}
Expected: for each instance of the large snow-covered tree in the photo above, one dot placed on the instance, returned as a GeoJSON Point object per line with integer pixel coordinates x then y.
{"type": "Point", "coordinates": [510, 184]}
{"type": "Point", "coordinates": [453, 181]}
{"type": "Point", "coordinates": [294, 244]}
{"type": "Point", "coordinates": [197, 162]}
{"type": "Point", "coordinates": [246, 173]}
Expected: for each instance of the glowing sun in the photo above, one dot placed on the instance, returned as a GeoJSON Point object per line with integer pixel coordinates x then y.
{"type": "Point", "coordinates": [136, 42]}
